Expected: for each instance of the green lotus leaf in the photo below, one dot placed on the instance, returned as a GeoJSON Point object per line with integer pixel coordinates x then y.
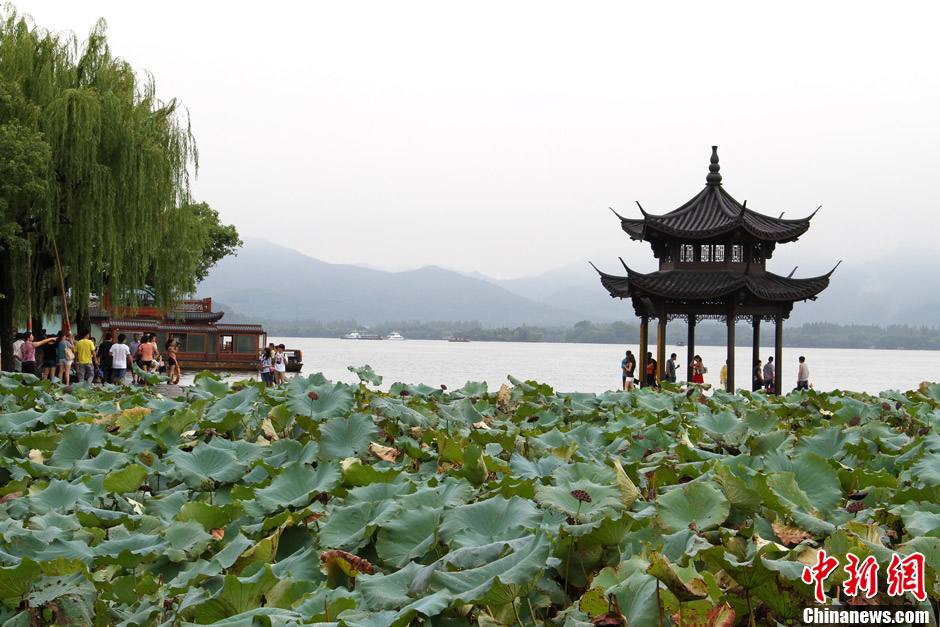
{"type": "Point", "coordinates": [367, 375]}
{"type": "Point", "coordinates": [815, 477]}
{"type": "Point", "coordinates": [60, 495]}
{"type": "Point", "coordinates": [396, 409]}
{"type": "Point", "coordinates": [135, 543]}
{"type": "Point", "coordinates": [18, 421]}
{"type": "Point", "coordinates": [534, 468]}
{"type": "Point", "coordinates": [128, 479]}
{"type": "Point", "coordinates": [15, 581]}
{"type": "Point", "coordinates": [209, 516]}
{"type": "Point", "coordinates": [211, 383]}
{"type": "Point", "coordinates": [407, 536]}
{"type": "Point", "coordinates": [699, 503]}
{"type": "Point", "coordinates": [240, 402]}
{"type": "Point", "coordinates": [483, 576]}
{"type": "Point", "coordinates": [104, 462]}
{"type": "Point", "coordinates": [346, 437]}
{"type": "Point", "coordinates": [598, 482]}
{"type": "Point", "coordinates": [185, 540]}
{"type": "Point", "coordinates": [351, 526]}
{"type": "Point", "coordinates": [206, 463]}
{"type": "Point", "coordinates": [313, 397]}
{"type": "Point", "coordinates": [78, 440]}
{"type": "Point", "coordinates": [720, 424]}
{"type": "Point", "coordinates": [296, 485]}
{"type": "Point", "coordinates": [236, 596]}
{"type": "Point", "coordinates": [489, 521]}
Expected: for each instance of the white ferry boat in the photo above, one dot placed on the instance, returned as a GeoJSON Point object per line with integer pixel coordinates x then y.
{"type": "Point", "coordinates": [395, 335]}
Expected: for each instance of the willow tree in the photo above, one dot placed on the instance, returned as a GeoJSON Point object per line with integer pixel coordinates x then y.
{"type": "Point", "coordinates": [103, 178]}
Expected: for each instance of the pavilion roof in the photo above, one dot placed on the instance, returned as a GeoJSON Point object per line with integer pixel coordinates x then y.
{"type": "Point", "coordinates": [713, 212]}
{"type": "Point", "coordinates": [701, 285]}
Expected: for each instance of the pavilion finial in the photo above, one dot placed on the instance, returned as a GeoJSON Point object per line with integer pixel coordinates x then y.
{"type": "Point", "coordinates": [714, 176]}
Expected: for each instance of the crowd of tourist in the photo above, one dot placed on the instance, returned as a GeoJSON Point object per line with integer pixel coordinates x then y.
{"type": "Point", "coordinates": [64, 358]}
{"type": "Point", "coordinates": [763, 376]}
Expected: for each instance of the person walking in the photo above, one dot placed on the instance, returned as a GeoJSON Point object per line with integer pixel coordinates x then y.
{"type": "Point", "coordinates": [758, 376]}
{"type": "Point", "coordinates": [145, 353]}
{"type": "Point", "coordinates": [65, 355]}
{"type": "Point", "coordinates": [265, 366]}
{"type": "Point", "coordinates": [628, 370]}
{"type": "Point", "coordinates": [28, 352]}
{"type": "Point", "coordinates": [173, 368]}
{"type": "Point", "coordinates": [85, 357]}
{"type": "Point", "coordinates": [802, 375]}
{"type": "Point", "coordinates": [120, 360]}
{"type": "Point", "coordinates": [48, 354]}
{"type": "Point", "coordinates": [698, 370]}
{"type": "Point", "coordinates": [769, 375]}
{"type": "Point", "coordinates": [18, 341]}
{"type": "Point", "coordinates": [104, 357]}
{"type": "Point", "coordinates": [670, 373]}
{"type": "Point", "coordinates": [280, 365]}
{"type": "Point", "coordinates": [723, 375]}
{"type": "Point", "coordinates": [650, 370]}
{"type": "Point", "coordinates": [134, 347]}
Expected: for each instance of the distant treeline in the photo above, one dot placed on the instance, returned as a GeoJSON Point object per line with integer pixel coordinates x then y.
{"type": "Point", "coordinates": [817, 334]}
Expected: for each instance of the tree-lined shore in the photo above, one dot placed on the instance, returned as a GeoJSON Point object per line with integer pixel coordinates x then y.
{"type": "Point", "coordinates": [816, 335]}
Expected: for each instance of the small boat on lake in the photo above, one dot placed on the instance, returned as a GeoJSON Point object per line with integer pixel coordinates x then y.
{"type": "Point", "coordinates": [458, 339]}
{"type": "Point", "coordinates": [395, 336]}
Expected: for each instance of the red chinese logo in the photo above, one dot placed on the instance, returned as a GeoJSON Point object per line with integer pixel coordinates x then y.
{"type": "Point", "coordinates": [903, 575]}
{"type": "Point", "coordinates": [907, 575]}
{"type": "Point", "coordinates": [817, 574]}
{"type": "Point", "coordinates": [862, 576]}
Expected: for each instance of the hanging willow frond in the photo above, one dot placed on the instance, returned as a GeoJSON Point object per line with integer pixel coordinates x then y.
{"type": "Point", "coordinates": [117, 185]}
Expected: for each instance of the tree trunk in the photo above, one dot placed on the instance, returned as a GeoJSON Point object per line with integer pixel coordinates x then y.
{"type": "Point", "coordinates": [7, 326]}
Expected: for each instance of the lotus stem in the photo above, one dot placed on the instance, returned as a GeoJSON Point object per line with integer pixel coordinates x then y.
{"type": "Point", "coordinates": [515, 612]}
{"type": "Point", "coordinates": [532, 613]}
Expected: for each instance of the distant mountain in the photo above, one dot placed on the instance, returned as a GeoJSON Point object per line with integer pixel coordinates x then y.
{"type": "Point", "coordinates": [268, 281]}
{"type": "Point", "coordinates": [880, 292]}
{"type": "Point", "coordinates": [577, 286]}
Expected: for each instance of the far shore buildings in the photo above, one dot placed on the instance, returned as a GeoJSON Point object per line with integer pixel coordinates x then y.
{"type": "Point", "coordinates": [712, 253]}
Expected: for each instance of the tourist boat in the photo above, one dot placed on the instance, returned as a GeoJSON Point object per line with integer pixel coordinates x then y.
{"type": "Point", "coordinates": [458, 339]}
{"type": "Point", "coordinates": [205, 343]}
{"type": "Point", "coordinates": [356, 335]}
{"type": "Point", "coordinates": [395, 335]}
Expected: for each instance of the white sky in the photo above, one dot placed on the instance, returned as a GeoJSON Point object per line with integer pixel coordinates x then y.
{"type": "Point", "coordinates": [492, 136]}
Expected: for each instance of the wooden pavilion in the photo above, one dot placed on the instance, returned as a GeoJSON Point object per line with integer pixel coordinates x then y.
{"type": "Point", "coordinates": [712, 253]}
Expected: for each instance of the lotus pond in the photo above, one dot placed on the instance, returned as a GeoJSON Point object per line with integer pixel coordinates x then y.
{"type": "Point", "coordinates": [332, 503]}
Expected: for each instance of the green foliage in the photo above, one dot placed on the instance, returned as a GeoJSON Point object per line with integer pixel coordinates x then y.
{"type": "Point", "coordinates": [419, 505]}
{"type": "Point", "coordinates": [94, 162]}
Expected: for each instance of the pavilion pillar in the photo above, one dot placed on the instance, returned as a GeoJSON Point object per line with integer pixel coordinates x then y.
{"type": "Point", "coordinates": [755, 347]}
{"type": "Point", "coordinates": [778, 353]}
{"type": "Point", "coordinates": [661, 347]}
{"type": "Point", "coordinates": [644, 344]}
{"type": "Point", "coordinates": [729, 382]}
{"type": "Point", "coordinates": [690, 347]}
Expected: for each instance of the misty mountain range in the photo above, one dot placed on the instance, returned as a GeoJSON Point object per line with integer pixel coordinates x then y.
{"type": "Point", "coordinates": [271, 282]}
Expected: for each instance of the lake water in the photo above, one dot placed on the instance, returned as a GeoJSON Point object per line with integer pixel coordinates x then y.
{"type": "Point", "coordinates": [595, 367]}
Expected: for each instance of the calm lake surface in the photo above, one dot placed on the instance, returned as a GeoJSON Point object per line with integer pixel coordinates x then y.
{"type": "Point", "coordinates": [594, 367]}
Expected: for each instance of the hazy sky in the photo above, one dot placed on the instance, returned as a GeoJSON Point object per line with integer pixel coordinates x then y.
{"type": "Point", "coordinates": [492, 136]}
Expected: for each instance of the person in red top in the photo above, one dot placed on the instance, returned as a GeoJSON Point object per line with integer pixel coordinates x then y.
{"type": "Point", "coordinates": [145, 351]}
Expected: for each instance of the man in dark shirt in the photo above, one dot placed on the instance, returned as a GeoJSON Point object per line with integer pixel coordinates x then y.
{"type": "Point", "coordinates": [104, 357]}
{"type": "Point", "coordinates": [769, 375]}
{"type": "Point", "coordinates": [671, 368]}
{"type": "Point", "coordinates": [650, 370]}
